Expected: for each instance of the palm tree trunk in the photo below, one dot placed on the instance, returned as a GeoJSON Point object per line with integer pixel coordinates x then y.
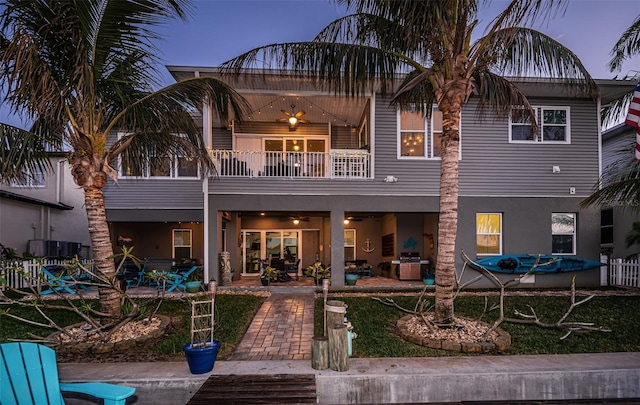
{"type": "Point", "coordinates": [448, 220]}
{"type": "Point", "coordinates": [102, 249]}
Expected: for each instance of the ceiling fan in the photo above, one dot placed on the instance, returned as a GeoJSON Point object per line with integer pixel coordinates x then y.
{"type": "Point", "coordinates": [293, 118]}
{"type": "Point", "coordinates": [295, 220]}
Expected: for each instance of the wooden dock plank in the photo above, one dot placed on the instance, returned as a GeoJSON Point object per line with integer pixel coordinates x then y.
{"type": "Point", "coordinates": [257, 389]}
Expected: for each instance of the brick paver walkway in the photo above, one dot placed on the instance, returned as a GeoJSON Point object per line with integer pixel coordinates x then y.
{"type": "Point", "coordinates": [281, 330]}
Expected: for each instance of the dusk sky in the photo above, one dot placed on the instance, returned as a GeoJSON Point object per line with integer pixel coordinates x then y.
{"type": "Point", "coordinates": [220, 30]}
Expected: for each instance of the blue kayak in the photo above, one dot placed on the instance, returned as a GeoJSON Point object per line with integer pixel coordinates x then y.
{"type": "Point", "coordinates": [522, 263]}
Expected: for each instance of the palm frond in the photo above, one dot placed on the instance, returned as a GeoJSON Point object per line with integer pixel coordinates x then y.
{"type": "Point", "coordinates": [619, 186]}
{"type": "Point", "coordinates": [116, 29]}
{"type": "Point", "coordinates": [633, 236]}
{"type": "Point", "coordinates": [416, 92]}
{"type": "Point", "coordinates": [22, 153]}
{"type": "Point", "coordinates": [525, 13]}
{"type": "Point", "coordinates": [610, 114]}
{"type": "Point", "coordinates": [343, 68]}
{"type": "Point", "coordinates": [162, 121]}
{"type": "Point", "coordinates": [500, 95]}
{"type": "Point", "coordinates": [374, 31]}
{"type": "Point", "coordinates": [627, 46]}
{"type": "Point", "coordinates": [519, 52]}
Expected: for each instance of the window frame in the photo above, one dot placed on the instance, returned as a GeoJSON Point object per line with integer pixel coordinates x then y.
{"type": "Point", "coordinates": [500, 234]}
{"type": "Point", "coordinates": [174, 168]}
{"type": "Point", "coordinates": [428, 133]}
{"type": "Point", "coordinates": [607, 227]}
{"type": "Point", "coordinates": [401, 132]}
{"type": "Point", "coordinates": [354, 246]}
{"type": "Point", "coordinates": [573, 234]}
{"type": "Point", "coordinates": [538, 137]}
{"type": "Point", "coordinates": [33, 179]}
{"type": "Point", "coordinates": [174, 245]}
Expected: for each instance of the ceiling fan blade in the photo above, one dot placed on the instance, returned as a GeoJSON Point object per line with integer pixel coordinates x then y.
{"type": "Point", "coordinates": [303, 121]}
{"type": "Point", "coordinates": [300, 114]}
{"type": "Point", "coordinates": [282, 120]}
{"type": "Point", "coordinates": [287, 113]}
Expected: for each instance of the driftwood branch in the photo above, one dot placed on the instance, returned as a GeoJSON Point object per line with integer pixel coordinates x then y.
{"type": "Point", "coordinates": [421, 308]}
{"type": "Point", "coordinates": [30, 296]}
{"type": "Point", "coordinates": [532, 317]}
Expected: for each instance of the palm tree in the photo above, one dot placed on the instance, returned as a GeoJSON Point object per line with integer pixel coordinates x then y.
{"type": "Point", "coordinates": [633, 237]}
{"type": "Point", "coordinates": [431, 42]}
{"type": "Point", "coordinates": [80, 70]}
{"type": "Point", "coordinates": [619, 184]}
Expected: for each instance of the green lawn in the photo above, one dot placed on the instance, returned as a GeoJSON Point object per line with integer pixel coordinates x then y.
{"type": "Point", "coordinates": [232, 317]}
{"type": "Point", "coordinates": [374, 324]}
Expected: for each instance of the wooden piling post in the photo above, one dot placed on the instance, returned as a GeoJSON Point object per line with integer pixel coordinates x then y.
{"type": "Point", "coordinates": [336, 311]}
{"type": "Point", "coordinates": [320, 353]}
{"type": "Point", "coordinates": [338, 347]}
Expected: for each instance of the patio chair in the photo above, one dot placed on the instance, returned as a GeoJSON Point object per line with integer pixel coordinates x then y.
{"type": "Point", "coordinates": [293, 268]}
{"type": "Point", "coordinates": [132, 274]}
{"type": "Point", "coordinates": [29, 375]}
{"type": "Point", "coordinates": [176, 279]}
{"type": "Point", "coordinates": [58, 280]}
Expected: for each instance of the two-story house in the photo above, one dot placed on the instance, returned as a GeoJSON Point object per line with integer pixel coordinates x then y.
{"type": "Point", "coordinates": [44, 215]}
{"type": "Point", "coordinates": [618, 145]}
{"type": "Point", "coordinates": [356, 179]}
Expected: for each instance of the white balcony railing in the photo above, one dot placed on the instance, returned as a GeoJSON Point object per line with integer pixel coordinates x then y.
{"type": "Point", "coordinates": [337, 164]}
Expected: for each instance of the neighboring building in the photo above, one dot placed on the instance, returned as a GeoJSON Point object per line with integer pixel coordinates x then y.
{"type": "Point", "coordinates": [287, 191]}
{"type": "Point", "coordinates": [45, 215]}
{"type": "Point", "coordinates": [618, 145]}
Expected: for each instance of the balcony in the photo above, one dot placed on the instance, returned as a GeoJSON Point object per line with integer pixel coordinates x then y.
{"type": "Point", "coordinates": [337, 164]}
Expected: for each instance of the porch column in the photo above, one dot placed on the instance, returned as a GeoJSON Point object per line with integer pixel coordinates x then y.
{"type": "Point", "coordinates": [209, 271]}
{"type": "Point", "coordinates": [212, 231]}
{"type": "Point", "coordinates": [337, 248]}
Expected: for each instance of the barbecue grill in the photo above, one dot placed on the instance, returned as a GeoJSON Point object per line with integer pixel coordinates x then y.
{"type": "Point", "coordinates": [409, 266]}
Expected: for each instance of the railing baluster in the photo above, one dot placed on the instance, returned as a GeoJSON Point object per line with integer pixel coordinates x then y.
{"type": "Point", "coordinates": [337, 164]}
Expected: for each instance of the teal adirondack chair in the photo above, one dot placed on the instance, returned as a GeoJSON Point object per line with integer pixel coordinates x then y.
{"type": "Point", "coordinates": [29, 376]}
{"type": "Point", "coordinates": [59, 281]}
{"type": "Point", "coordinates": [178, 278]}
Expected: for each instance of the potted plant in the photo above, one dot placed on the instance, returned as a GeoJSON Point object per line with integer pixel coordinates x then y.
{"type": "Point", "coordinates": [428, 272]}
{"type": "Point", "coordinates": [351, 274]}
{"type": "Point", "coordinates": [318, 272]}
{"type": "Point", "coordinates": [193, 284]}
{"type": "Point", "coordinates": [269, 275]}
{"type": "Point", "coordinates": [202, 350]}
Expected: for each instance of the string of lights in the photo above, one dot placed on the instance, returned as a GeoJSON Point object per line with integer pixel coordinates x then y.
{"type": "Point", "coordinates": [334, 118]}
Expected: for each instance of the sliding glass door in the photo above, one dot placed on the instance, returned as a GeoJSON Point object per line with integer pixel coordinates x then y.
{"type": "Point", "coordinates": [267, 245]}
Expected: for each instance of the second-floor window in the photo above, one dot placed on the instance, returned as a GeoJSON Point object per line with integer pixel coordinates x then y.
{"type": "Point", "coordinates": [553, 125]}
{"type": "Point", "coordinates": [164, 165]}
{"type": "Point", "coordinates": [419, 137]}
{"type": "Point", "coordinates": [31, 179]}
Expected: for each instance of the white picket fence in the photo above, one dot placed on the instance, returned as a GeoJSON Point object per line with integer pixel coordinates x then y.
{"type": "Point", "coordinates": [624, 273]}
{"type": "Point", "coordinates": [14, 276]}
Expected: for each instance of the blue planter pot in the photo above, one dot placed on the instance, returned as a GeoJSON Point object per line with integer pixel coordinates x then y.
{"type": "Point", "coordinates": [351, 279]}
{"type": "Point", "coordinates": [430, 279]}
{"type": "Point", "coordinates": [193, 286]}
{"type": "Point", "coordinates": [201, 359]}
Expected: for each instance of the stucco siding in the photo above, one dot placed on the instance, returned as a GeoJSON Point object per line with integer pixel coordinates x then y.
{"type": "Point", "coordinates": [527, 229]}
{"type": "Point", "coordinates": [22, 221]}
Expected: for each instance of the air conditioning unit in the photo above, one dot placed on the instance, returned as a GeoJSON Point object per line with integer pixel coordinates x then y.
{"type": "Point", "coordinates": [37, 247]}
{"type": "Point", "coordinates": [43, 248]}
{"type": "Point", "coordinates": [68, 250]}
